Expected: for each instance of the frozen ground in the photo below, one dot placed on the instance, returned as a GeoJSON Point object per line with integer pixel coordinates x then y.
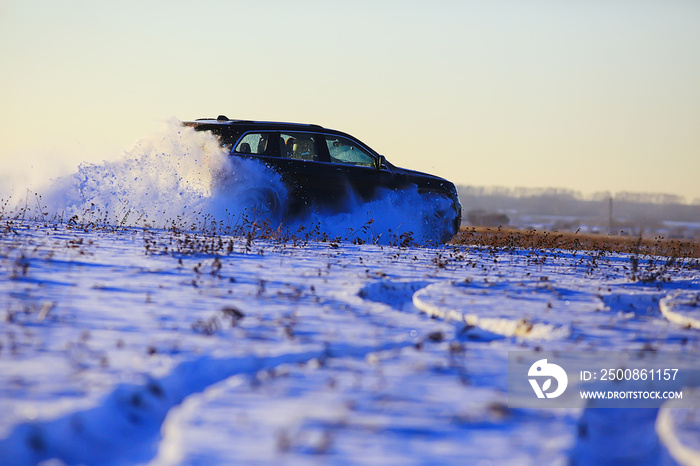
{"type": "Point", "coordinates": [134, 345]}
{"type": "Point", "coordinates": [146, 342]}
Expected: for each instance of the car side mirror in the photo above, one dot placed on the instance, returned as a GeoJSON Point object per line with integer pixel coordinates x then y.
{"type": "Point", "coordinates": [380, 162]}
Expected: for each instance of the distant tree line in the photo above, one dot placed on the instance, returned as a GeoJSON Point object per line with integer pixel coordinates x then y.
{"type": "Point", "coordinates": [646, 208]}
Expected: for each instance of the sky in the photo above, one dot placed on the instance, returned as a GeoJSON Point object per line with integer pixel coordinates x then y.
{"type": "Point", "coordinates": [591, 96]}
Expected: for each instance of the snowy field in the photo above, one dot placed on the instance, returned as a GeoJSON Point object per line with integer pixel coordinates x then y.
{"type": "Point", "coordinates": [134, 345]}
{"type": "Point", "coordinates": [344, 343]}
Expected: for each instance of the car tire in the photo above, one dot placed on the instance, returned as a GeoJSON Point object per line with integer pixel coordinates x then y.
{"type": "Point", "coordinates": [442, 221]}
{"type": "Point", "coordinates": [264, 204]}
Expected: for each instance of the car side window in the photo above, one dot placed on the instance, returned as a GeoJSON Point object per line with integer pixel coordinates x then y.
{"type": "Point", "coordinates": [300, 146]}
{"type": "Point", "coordinates": [253, 143]}
{"type": "Point", "coordinates": [343, 150]}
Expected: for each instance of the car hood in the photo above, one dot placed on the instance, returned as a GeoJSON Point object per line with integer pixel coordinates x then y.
{"type": "Point", "coordinates": [426, 180]}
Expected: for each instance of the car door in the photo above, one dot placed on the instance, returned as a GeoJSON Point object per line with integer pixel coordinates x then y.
{"type": "Point", "coordinates": [355, 168]}
{"type": "Point", "coordinates": [303, 163]}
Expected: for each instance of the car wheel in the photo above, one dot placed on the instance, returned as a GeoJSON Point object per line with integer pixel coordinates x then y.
{"type": "Point", "coordinates": [264, 204]}
{"type": "Point", "coordinates": [442, 220]}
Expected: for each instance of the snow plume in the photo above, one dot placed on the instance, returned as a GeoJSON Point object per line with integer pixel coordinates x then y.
{"type": "Point", "coordinates": [396, 217]}
{"type": "Point", "coordinates": [184, 178]}
{"type": "Point", "coordinates": [177, 176]}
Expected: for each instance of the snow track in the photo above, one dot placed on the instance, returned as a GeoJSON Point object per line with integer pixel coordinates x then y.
{"type": "Point", "coordinates": [124, 425]}
{"type": "Point", "coordinates": [472, 306]}
{"type": "Point", "coordinates": [682, 308]}
{"type": "Point", "coordinates": [679, 432]}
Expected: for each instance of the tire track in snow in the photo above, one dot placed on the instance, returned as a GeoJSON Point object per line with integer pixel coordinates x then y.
{"type": "Point", "coordinates": [510, 316]}
{"type": "Point", "coordinates": [341, 422]}
{"type": "Point", "coordinates": [124, 427]}
{"type": "Point", "coordinates": [530, 310]}
{"type": "Point", "coordinates": [682, 308]}
{"type": "Point", "coordinates": [124, 424]}
{"type": "Point", "coordinates": [679, 431]}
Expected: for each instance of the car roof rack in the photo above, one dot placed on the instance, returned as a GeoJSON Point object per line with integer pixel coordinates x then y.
{"type": "Point", "coordinates": [224, 118]}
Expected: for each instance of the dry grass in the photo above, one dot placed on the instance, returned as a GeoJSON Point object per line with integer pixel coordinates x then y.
{"type": "Point", "coordinates": [532, 239]}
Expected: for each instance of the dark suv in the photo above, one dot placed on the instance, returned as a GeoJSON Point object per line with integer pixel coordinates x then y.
{"type": "Point", "coordinates": [323, 168]}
